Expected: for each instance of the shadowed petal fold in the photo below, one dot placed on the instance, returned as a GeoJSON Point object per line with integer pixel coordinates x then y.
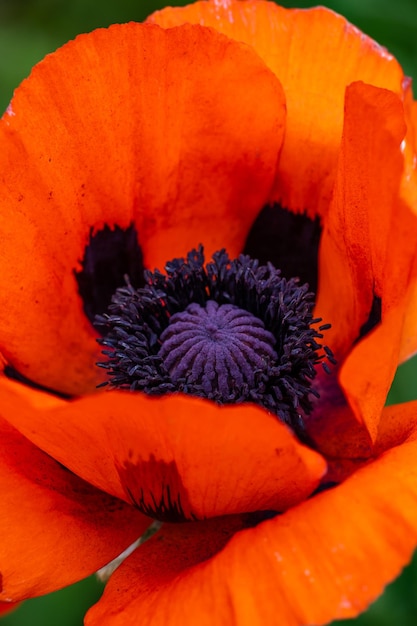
{"type": "Point", "coordinates": [356, 236]}
{"type": "Point", "coordinates": [361, 291]}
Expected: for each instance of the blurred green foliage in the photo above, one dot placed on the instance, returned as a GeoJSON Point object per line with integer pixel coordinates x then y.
{"type": "Point", "coordinates": [29, 29]}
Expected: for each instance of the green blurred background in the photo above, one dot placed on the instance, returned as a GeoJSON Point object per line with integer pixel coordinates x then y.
{"type": "Point", "coordinates": [29, 29]}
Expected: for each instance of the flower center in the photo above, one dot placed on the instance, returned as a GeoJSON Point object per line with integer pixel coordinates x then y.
{"type": "Point", "coordinates": [221, 349]}
{"type": "Point", "coordinates": [229, 330]}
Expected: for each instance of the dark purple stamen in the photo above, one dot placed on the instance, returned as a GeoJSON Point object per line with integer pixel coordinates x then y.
{"type": "Point", "coordinates": [221, 347]}
{"type": "Point", "coordinates": [229, 330]}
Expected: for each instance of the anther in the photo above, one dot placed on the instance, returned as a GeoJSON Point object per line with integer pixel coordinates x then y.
{"type": "Point", "coordinates": [228, 330]}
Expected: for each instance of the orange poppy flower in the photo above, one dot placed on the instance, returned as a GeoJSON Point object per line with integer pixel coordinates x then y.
{"type": "Point", "coordinates": [288, 493]}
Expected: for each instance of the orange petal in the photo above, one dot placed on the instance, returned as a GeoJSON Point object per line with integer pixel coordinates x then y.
{"type": "Point", "coordinates": [409, 330]}
{"type": "Point", "coordinates": [178, 547]}
{"type": "Point", "coordinates": [174, 457]}
{"type": "Point", "coordinates": [409, 147]}
{"type": "Point", "coordinates": [177, 131]}
{"type": "Point", "coordinates": [346, 444]}
{"type": "Point", "coordinates": [297, 45]}
{"type": "Point", "coordinates": [326, 559]}
{"type": "Point", "coordinates": [368, 372]}
{"type": "Point", "coordinates": [356, 237]}
{"type": "Point", "coordinates": [56, 528]}
{"type": "Point", "coordinates": [367, 249]}
{"type": "Point", "coordinates": [397, 425]}
{"type": "Point", "coordinates": [6, 607]}
{"type": "Point", "coordinates": [409, 194]}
